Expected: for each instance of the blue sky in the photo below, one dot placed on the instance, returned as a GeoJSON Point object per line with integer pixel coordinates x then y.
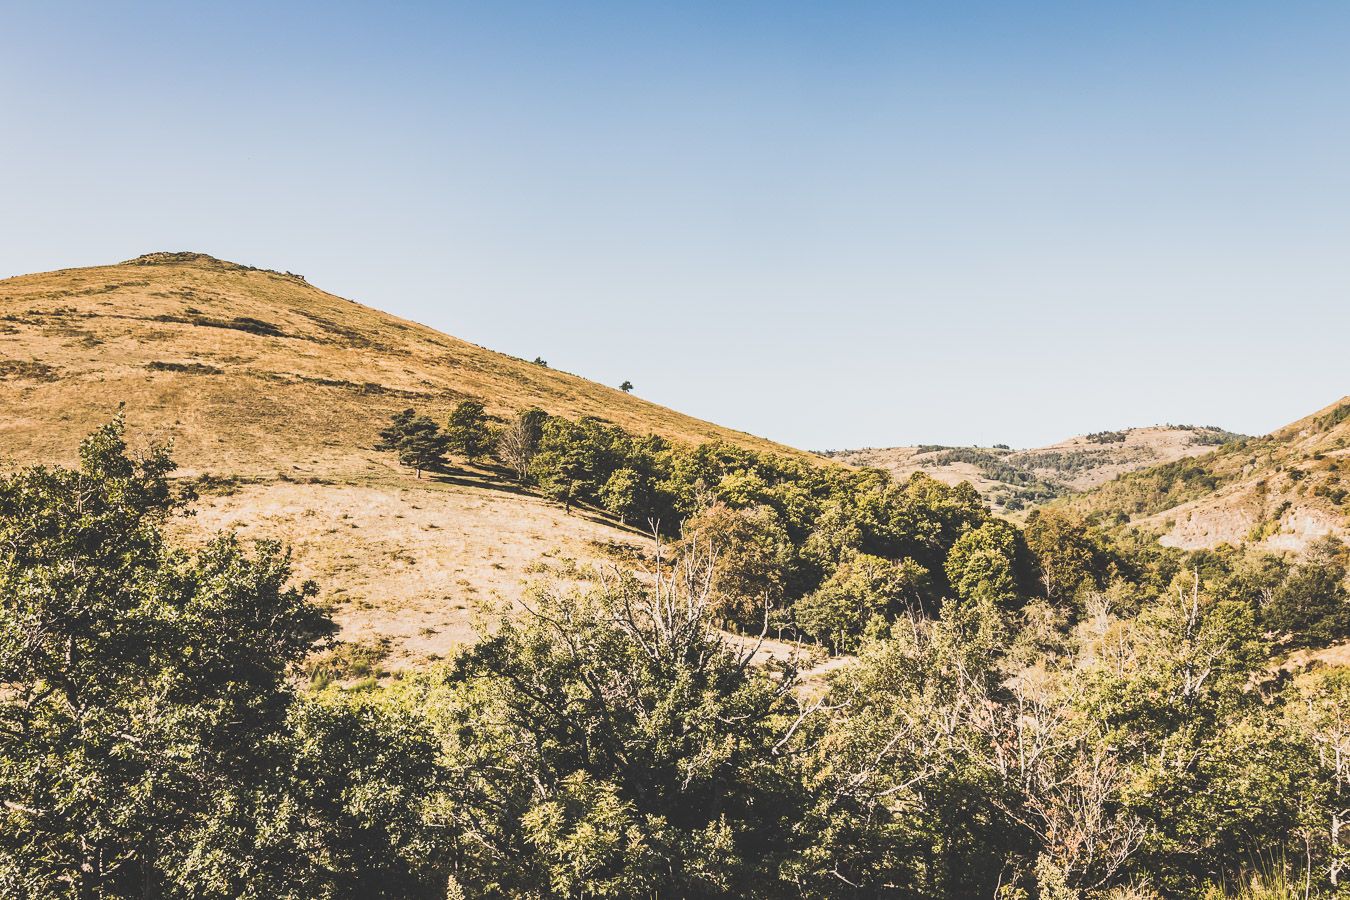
{"type": "Point", "coordinates": [834, 224]}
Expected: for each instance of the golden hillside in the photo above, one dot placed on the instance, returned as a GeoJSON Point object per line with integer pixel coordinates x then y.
{"type": "Point", "coordinates": [1280, 491]}
{"type": "Point", "coordinates": [253, 371]}
{"type": "Point", "coordinates": [276, 389]}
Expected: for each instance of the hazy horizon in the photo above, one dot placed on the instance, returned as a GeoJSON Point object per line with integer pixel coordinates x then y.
{"type": "Point", "coordinates": [835, 226]}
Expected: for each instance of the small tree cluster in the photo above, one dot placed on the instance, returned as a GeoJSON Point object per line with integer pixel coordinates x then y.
{"type": "Point", "coordinates": [422, 445]}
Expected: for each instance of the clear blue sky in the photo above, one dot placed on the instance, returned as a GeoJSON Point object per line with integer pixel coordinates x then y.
{"type": "Point", "coordinates": [834, 224]}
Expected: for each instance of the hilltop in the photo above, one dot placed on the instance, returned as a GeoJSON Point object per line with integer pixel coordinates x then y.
{"type": "Point", "coordinates": [272, 392]}
{"type": "Point", "coordinates": [1013, 480]}
{"type": "Point", "coordinates": [203, 349]}
{"type": "Point", "coordinates": [1280, 491]}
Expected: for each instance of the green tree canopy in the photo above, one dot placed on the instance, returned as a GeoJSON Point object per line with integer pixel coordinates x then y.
{"type": "Point", "coordinates": [467, 434]}
{"type": "Point", "coordinates": [423, 446]}
{"type": "Point", "coordinates": [863, 591]}
{"type": "Point", "coordinates": [628, 747]}
{"type": "Point", "coordinates": [1068, 556]}
{"type": "Point", "coordinates": [144, 685]}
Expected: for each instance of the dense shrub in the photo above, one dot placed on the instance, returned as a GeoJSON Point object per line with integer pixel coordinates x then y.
{"type": "Point", "coordinates": [1040, 714]}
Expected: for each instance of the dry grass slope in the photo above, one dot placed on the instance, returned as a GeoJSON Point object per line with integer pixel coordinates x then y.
{"type": "Point", "coordinates": [251, 371]}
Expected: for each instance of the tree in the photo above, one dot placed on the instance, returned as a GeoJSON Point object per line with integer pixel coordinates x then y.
{"type": "Point", "coordinates": [560, 466]}
{"type": "Point", "coordinates": [626, 387]}
{"type": "Point", "coordinates": [863, 590]}
{"type": "Point", "coordinates": [752, 561]}
{"type": "Point", "coordinates": [987, 564]}
{"type": "Point", "coordinates": [418, 441]}
{"type": "Point", "coordinates": [625, 747]}
{"type": "Point", "coordinates": [1209, 773]}
{"type": "Point", "coordinates": [918, 814]}
{"type": "Point", "coordinates": [392, 435]}
{"type": "Point", "coordinates": [1312, 605]}
{"type": "Point", "coordinates": [518, 441]}
{"type": "Point", "coordinates": [626, 494]}
{"type": "Point", "coordinates": [1066, 554]}
{"type": "Point", "coordinates": [467, 434]}
{"type": "Point", "coordinates": [367, 781]}
{"type": "Point", "coordinates": [574, 459]}
{"type": "Point", "coordinates": [423, 446]}
{"type": "Point", "coordinates": [1317, 712]}
{"type": "Point", "coordinates": [146, 689]}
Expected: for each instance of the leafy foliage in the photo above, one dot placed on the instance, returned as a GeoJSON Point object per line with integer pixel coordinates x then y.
{"type": "Point", "coordinates": [1158, 488]}
{"type": "Point", "coordinates": [467, 434]}
{"type": "Point", "coordinates": [626, 745]}
{"type": "Point", "coordinates": [151, 744]}
{"type": "Point", "coordinates": [1047, 713]}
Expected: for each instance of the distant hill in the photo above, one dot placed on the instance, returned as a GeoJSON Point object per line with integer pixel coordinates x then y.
{"type": "Point", "coordinates": [1013, 480]}
{"type": "Point", "coordinates": [1279, 491]}
{"type": "Point", "coordinates": [275, 390]}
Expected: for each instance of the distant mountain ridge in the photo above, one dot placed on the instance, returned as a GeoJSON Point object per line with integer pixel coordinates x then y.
{"type": "Point", "coordinates": [1013, 480]}
{"type": "Point", "coordinates": [1280, 491]}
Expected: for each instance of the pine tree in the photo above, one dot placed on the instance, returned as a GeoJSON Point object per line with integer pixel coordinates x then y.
{"type": "Point", "coordinates": [468, 432]}
{"type": "Point", "coordinates": [392, 434]}
{"type": "Point", "coordinates": [423, 446]}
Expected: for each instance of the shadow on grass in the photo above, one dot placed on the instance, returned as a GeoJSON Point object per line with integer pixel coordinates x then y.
{"type": "Point", "coordinates": [478, 479]}
{"type": "Point", "coordinates": [500, 480]}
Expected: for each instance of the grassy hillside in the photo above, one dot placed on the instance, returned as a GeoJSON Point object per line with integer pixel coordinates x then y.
{"type": "Point", "coordinates": [272, 392]}
{"type": "Point", "coordinates": [1013, 480]}
{"type": "Point", "coordinates": [1279, 491]}
{"type": "Point", "coordinates": [206, 350]}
